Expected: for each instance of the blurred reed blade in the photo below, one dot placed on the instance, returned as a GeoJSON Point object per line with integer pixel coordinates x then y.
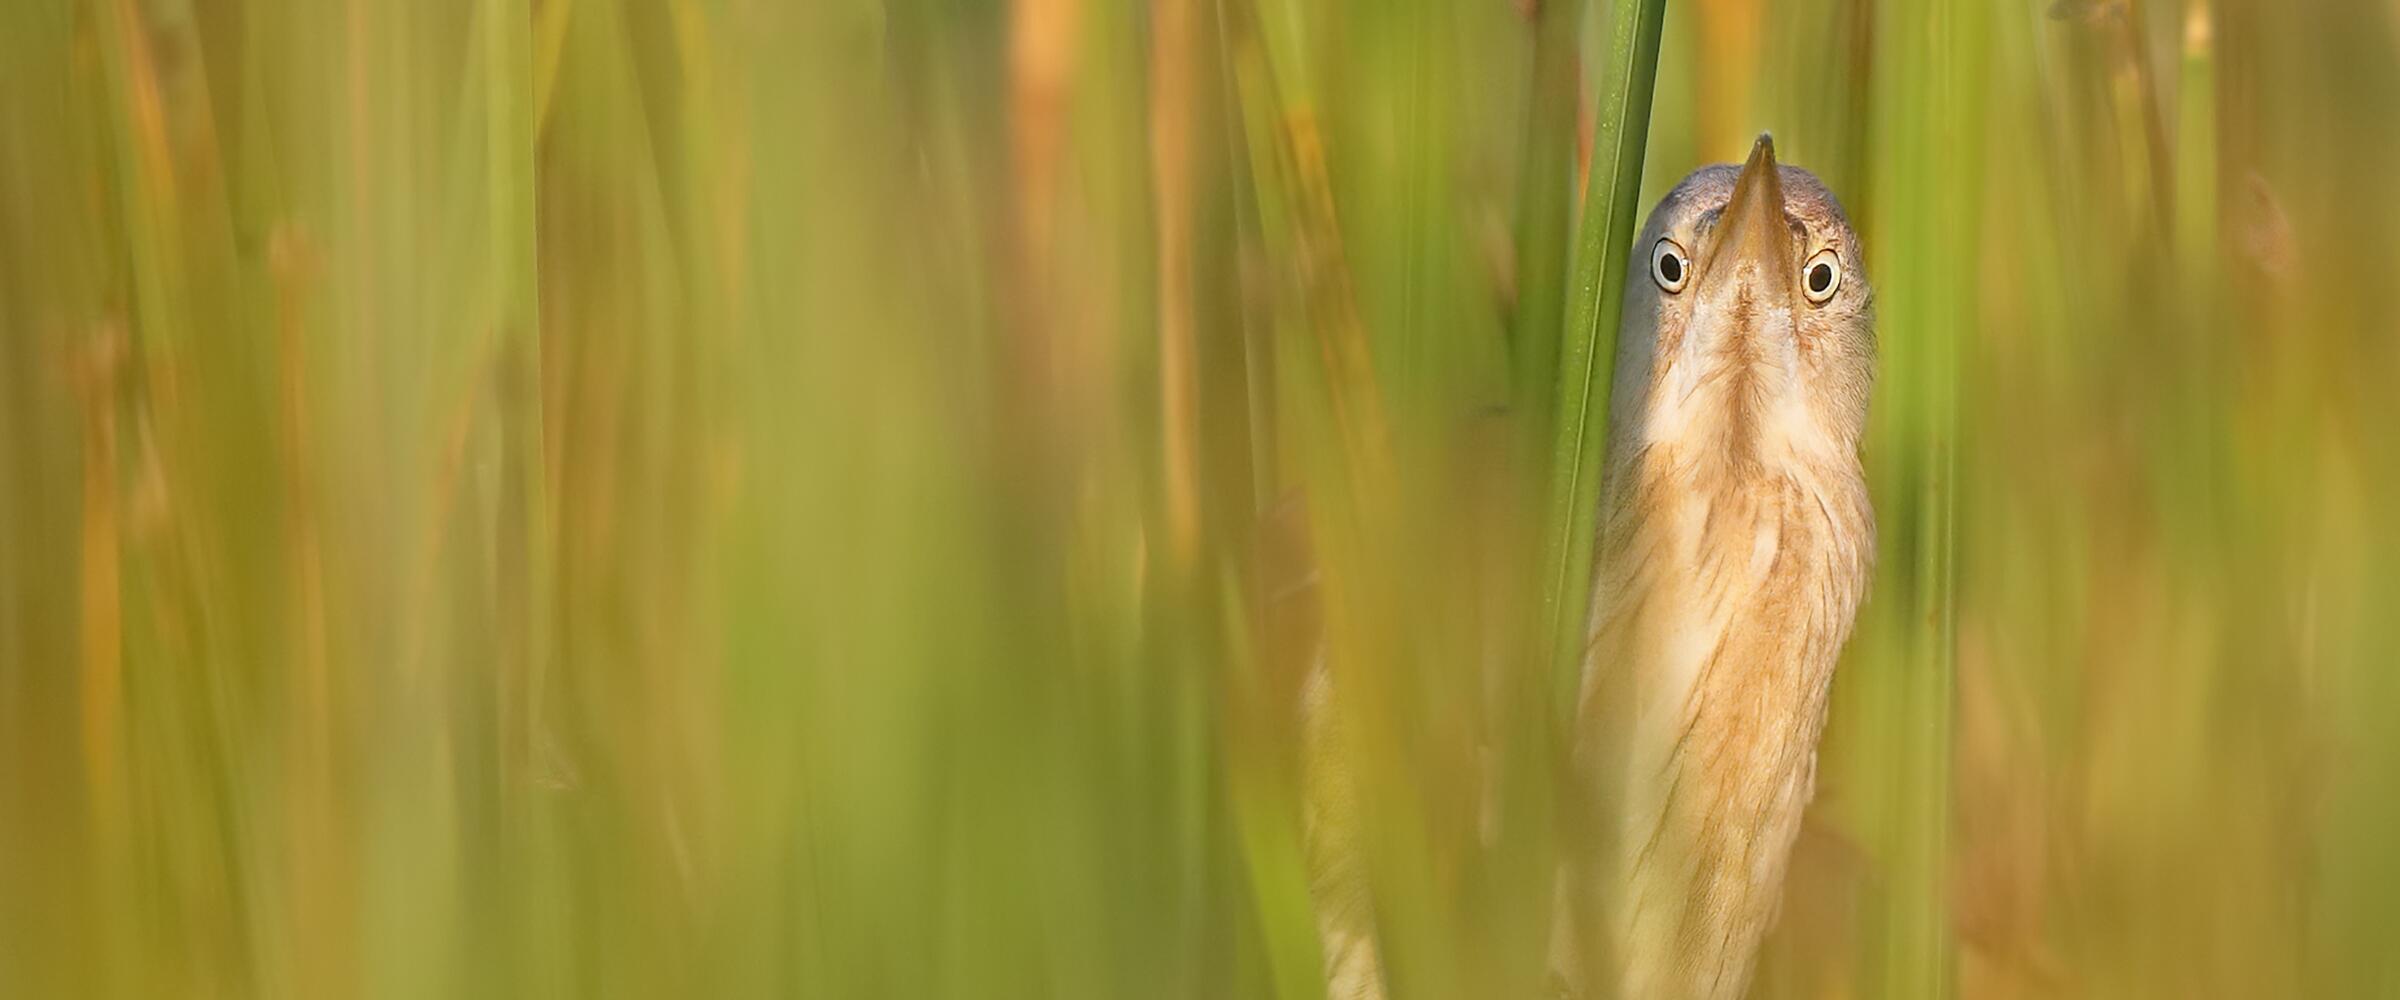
{"type": "Point", "coordinates": [1545, 213]}
{"type": "Point", "coordinates": [1924, 233]}
{"type": "Point", "coordinates": [1523, 855]}
{"type": "Point", "coordinates": [1588, 352]}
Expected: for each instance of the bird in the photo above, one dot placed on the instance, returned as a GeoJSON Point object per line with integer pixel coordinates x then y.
{"type": "Point", "coordinates": [1735, 543]}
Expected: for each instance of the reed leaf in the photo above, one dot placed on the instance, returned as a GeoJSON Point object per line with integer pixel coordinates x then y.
{"type": "Point", "coordinates": [1587, 353]}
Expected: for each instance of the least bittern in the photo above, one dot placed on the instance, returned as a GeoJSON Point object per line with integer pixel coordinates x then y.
{"type": "Point", "coordinates": [1734, 546]}
{"type": "Point", "coordinates": [1736, 541]}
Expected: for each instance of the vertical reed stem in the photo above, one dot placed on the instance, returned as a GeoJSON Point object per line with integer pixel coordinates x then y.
{"type": "Point", "coordinates": [1588, 353]}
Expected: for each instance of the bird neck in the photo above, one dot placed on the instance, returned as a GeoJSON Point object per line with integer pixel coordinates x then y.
{"type": "Point", "coordinates": [1725, 590]}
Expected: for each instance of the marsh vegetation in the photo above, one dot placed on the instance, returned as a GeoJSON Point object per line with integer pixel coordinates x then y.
{"type": "Point", "coordinates": [841, 498]}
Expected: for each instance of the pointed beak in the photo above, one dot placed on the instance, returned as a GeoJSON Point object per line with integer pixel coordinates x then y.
{"type": "Point", "coordinates": [1756, 232]}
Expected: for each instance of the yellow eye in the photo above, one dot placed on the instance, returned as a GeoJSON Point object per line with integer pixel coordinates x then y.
{"type": "Point", "coordinates": [1669, 266]}
{"type": "Point", "coordinates": [1822, 276]}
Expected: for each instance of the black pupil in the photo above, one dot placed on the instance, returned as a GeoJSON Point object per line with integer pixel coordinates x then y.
{"type": "Point", "coordinates": [1820, 277]}
{"type": "Point", "coordinates": [1670, 267]}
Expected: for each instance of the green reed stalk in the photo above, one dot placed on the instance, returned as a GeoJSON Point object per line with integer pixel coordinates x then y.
{"type": "Point", "coordinates": [1924, 231]}
{"type": "Point", "coordinates": [1588, 353]}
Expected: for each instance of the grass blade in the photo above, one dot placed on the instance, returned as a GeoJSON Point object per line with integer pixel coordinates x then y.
{"type": "Point", "coordinates": [1588, 353]}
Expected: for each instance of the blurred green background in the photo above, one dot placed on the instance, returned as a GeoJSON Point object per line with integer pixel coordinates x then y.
{"type": "Point", "coordinates": [634, 498]}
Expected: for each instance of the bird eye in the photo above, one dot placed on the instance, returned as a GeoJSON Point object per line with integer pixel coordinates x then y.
{"type": "Point", "coordinates": [1669, 267]}
{"type": "Point", "coordinates": [1822, 275]}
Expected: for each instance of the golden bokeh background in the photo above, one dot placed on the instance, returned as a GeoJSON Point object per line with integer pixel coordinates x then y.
{"type": "Point", "coordinates": [839, 498]}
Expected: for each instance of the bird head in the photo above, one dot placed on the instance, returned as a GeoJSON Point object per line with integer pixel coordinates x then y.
{"type": "Point", "coordinates": [1749, 324]}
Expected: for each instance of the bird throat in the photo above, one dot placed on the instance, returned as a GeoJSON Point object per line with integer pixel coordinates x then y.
{"type": "Point", "coordinates": [1734, 398]}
